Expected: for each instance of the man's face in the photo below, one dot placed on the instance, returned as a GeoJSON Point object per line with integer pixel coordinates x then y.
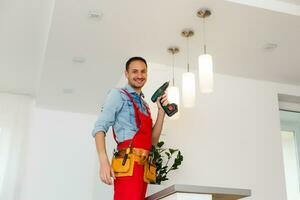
{"type": "Point", "coordinates": [136, 74]}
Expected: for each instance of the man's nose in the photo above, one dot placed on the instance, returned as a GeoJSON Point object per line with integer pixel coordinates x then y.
{"type": "Point", "coordinates": [140, 75]}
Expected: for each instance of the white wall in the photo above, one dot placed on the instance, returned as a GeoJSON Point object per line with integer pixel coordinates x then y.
{"type": "Point", "coordinates": [230, 139]}
{"type": "Point", "coordinates": [15, 118]}
{"type": "Point", "coordinates": [60, 161]}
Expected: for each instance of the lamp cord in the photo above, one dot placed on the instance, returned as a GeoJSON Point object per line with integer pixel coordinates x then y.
{"type": "Point", "coordinates": [204, 37]}
{"type": "Point", "coordinates": [188, 54]}
{"type": "Point", "coordinates": [173, 80]}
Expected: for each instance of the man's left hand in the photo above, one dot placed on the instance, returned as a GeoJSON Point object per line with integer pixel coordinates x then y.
{"type": "Point", "coordinates": [164, 100]}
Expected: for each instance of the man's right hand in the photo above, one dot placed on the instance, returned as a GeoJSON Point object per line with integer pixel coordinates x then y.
{"type": "Point", "coordinates": [106, 172]}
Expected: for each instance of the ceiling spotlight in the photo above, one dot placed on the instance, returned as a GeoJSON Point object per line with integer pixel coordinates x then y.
{"type": "Point", "coordinates": [78, 59]}
{"type": "Point", "coordinates": [68, 91]}
{"type": "Point", "coordinates": [270, 46]}
{"type": "Point", "coordinates": [95, 14]}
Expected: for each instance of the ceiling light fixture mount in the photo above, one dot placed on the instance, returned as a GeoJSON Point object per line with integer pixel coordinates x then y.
{"type": "Point", "coordinates": [187, 33]}
{"type": "Point", "coordinates": [173, 50]}
{"type": "Point", "coordinates": [203, 13]}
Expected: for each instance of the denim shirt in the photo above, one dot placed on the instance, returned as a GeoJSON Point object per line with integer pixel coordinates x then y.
{"type": "Point", "coordinates": [118, 112]}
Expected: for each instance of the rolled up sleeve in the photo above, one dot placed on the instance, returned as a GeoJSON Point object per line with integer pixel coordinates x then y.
{"type": "Point", "coordinates": [107, 117]}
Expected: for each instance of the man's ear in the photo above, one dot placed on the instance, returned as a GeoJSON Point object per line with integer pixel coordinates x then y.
{"type": "Point", "coordinates": [126, 73]}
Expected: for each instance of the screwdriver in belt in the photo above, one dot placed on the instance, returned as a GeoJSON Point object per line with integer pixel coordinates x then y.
{"type": "Point", "coordinates": [126, 156]}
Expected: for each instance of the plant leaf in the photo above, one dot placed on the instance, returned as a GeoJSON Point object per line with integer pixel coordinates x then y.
{"type": "Point", "coordinates": [168, 154]}
{"type": "Point", "coordinates": [173, 150]}
{"type": "Point", "coordinates": [160, 144]}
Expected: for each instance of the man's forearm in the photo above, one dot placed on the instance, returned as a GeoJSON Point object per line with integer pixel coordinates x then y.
{"type": "Point", "coordinates": [100, 145]}
{"type": "Point", "coordinates": [106, 171]}
{"type": "Point", "coordinates": [157, 128]}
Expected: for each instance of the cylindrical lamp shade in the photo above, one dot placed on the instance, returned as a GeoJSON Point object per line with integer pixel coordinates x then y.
{"type": "Point", "coordinates": [205, 73]}
{"type": "Point", "coordinates": [188, 89]}
{"type": "Point", "coordinates": [174, 97]}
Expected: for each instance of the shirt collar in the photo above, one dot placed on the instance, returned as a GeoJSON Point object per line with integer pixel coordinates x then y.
{"type": "Point", "coordinates": [132, 91]}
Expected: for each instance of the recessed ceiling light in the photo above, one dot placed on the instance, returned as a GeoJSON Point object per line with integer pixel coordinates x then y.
{"type": "Point", "coordinates": [270, 46]}
{"type": "Point", "coordinates": [95, 14]}
{"type": "Point", "coordinates": [68, 91]}
{"type": "Point", "coordinates": [78, 59]}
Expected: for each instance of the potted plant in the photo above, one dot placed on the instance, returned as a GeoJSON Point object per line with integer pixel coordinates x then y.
{"type": "Point", "coordinates": [166, 160]}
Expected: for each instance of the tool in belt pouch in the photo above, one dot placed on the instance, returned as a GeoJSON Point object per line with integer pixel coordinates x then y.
{"type": "Point", "coordinates": [123, 166]}
{"type": "Point", "coordinates": [150, 169]}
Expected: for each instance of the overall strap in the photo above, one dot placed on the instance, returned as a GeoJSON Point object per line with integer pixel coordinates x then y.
{"type": "Point", "coordinates": [114, 134]}
{"type": "Point", "coordinates": [137, 116]}
{"type": "Point", "coordinates": [147, 107]}
{"type": "Point", "coordinates": [136, 108]}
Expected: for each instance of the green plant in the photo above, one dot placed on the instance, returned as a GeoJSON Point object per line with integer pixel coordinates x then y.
{"type": "Point", "coordinates": [163, 159]}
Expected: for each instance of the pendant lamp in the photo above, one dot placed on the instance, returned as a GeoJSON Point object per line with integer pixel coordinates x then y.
{"type": "Point", "coordinates": [188, 78]}
{"type": "Point", "coordinates": [205, 63]}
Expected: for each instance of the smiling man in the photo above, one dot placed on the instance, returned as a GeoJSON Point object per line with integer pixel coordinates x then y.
{"type": "Point", "coordinates": [129, 115]}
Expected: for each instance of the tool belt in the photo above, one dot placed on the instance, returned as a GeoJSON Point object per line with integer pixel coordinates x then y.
{"type": "Point", "coordinates": [123, 163]}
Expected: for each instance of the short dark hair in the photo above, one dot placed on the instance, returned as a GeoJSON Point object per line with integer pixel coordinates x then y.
{"type": "Point", "coordinates": [136, 58]}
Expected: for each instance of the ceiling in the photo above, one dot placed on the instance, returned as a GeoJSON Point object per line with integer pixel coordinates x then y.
{"type": "Point", "coordinates": [39, 39]}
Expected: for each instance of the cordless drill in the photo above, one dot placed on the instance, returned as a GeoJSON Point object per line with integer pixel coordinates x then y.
{"type": "Point", "coordinates": [171, 108]}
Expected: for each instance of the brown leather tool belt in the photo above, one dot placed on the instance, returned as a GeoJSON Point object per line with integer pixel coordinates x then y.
{"type": "Point", "coordinates": [139, 155]}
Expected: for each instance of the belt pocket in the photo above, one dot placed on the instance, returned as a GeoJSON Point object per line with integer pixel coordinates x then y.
{"type": "Point", "coordinates": [123, 170]}
{"type": "Point", "coordinates": [149, 173]}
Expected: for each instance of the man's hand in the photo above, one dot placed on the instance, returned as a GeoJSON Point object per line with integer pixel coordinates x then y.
{"type": "Point", "coordinates": [164, 100]}
{"type": "Point", "coordinates": [106, 172]}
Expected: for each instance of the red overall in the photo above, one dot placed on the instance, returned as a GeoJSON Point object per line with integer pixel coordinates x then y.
{"type": "Point", "coordinates": [134, 187]}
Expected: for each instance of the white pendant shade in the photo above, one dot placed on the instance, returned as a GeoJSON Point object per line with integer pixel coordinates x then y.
{"type": "Point", "coordinates": [174, 97]}
{"type": "Point", "coordinates": [188, 89]}
{"type": "Point", "coordinates": [205, 73]}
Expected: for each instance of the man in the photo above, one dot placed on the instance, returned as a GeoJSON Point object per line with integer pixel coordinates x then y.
{"type": "Point", "coordinates": [129, 115]}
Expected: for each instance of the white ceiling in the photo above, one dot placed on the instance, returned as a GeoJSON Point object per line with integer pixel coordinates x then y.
{"type": "Point", "coordinates": [40, 38]}
{"type": "Point", "coordinates": [284, 6]}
